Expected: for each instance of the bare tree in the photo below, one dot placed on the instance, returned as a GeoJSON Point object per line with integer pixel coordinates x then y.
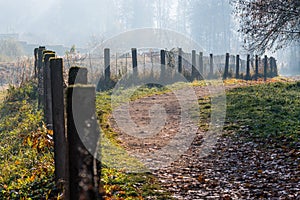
{"type": "Point", "coordinates": [268, 25]}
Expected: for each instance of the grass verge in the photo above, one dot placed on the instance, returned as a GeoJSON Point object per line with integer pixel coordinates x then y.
{"type": "Point", "coordinates": [267, 112]}
{"type": "Point", "coordinates": [26, 159]}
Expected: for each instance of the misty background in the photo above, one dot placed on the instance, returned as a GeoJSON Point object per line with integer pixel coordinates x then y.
{"type": "Point", "coordinates": [86, 24]}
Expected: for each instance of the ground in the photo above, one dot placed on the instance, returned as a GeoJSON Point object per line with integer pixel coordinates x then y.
{"type": "Point", "coordinates": [240, 166]}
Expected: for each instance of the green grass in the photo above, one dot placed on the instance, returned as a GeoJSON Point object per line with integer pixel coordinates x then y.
{"type": "Point", "coordinates": [268, 112]}
{"type": "Point", "coordinates": [26, 159]}
{"type": "Point", "coordinates": [257, 112]}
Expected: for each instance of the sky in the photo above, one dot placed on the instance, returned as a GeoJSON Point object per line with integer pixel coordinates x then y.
{"type": "Point", "coordinates": [64, 22]}
{"type": "Point", "coordinates": [78, 22]}
{"type": "Point", "coordinates": [53, 21]}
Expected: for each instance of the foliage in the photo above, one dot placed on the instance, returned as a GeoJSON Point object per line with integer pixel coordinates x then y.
{"type": "Point", "coordinates": [25, 147]}
{"type": "Point", "coordinates": [268, 24]}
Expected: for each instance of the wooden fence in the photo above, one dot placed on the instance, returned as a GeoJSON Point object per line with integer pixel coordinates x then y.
{"type": "Point", "coordinates": [192, 66]}
{"type": "Point", "coordinates": [77, 171]}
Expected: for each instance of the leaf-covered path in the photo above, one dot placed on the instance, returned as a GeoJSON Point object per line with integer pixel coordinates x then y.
{"type": "Point", "coordinates": [237, 168]}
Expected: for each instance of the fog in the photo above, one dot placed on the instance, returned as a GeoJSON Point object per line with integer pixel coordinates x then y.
{"type": "Point", "coordinates": [87, 23]}
{"type": "Point", "coordinates": [83, 23]}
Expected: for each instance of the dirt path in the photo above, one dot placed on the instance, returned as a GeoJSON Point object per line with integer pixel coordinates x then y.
{"type": "Point", "coordinates": [234, 169]}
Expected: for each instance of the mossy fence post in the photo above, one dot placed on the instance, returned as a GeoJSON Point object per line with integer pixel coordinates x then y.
{"type": "Point", "coordinates": [275, 67]}
{"type": "Point", "coordinates": [265, 67]}
{"type": "Point", "coordinates": [83, 137]}
{"type": "Point", "coordinates": [201, 69]}
{"type": "Point", "coordinates": [179, 60]}
{"type": "Point", "coordinates": [59, 134]}
{"type": "Point", "coordinates": [77, 75]}
{"type": "Point", "coordinates": [47, 90]}
{"type": "Point", "coordinates": [40, 76]}
{"type": "Point", "coordinates": [194, 66]}
{"type": "Point", "coordinates": [237, 67]}
{"type": "Point", "coordinates": [162, 64]}
{"type": "Point", "coordinates": [211, 66]}
{"type": "Point", "coordinates": [107, 64]}
{"type": "Point", "coordinates": [248, 76]}
{"type": "Point", "coordinates": [35, 62]}
{"type": "Point", "coordinates": [134, 62]}
{"type": "Point", "coordinates": [271, 67]}
{"type": "Point", "coordinates": [226, 66]}
{"type": "Point", "coordinates": [256, 67]}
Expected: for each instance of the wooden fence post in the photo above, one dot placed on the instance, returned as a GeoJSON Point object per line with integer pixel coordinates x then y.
{"type": "Point", "coordinates": [194, 66]}
{"type": "Point", "coordinates": [47, 91]}
{"type": "Point", "coordinates": [162, 64]}
{"type": "Point", "coordinates": [265, 67]}
{"type": "Point", "coordinates": [237, 67]}
{"type": "Point", "coordinates": [226, 66]}
{"type": "Point", "coordinates": [201, 68]}
{"type": "Point", "coordinates": [180, 60]}
{"type": "Point", "coordinates": [256, 67]}
{"type": "Point", "coordinates": [77, 75]}
{"type": "Point", "coordinates": [275, 68]}
{"type": "Point", "coordinates": [83, 136]}
{"type": "Point", "coordinates": [59, 134]}
{"type": "Point", "coordinates": [40, 76]}
{"type": "Point", "coordinates": [36, 50]}
{"type": "Point", "coordinates": [107, 64]}
{"type": "Point", "coordinates": [248, 68]}
{"type": "Point", "coordinates": [134, 62]}
{"type": "Point", "coordinates": [231, 65]}
{"type": "Point", "coordinates": [271, 66]}
{"type": "Point", "coordinates": [211, 65]}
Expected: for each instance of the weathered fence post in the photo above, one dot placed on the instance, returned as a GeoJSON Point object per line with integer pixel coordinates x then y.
{"type": "Point", "coordinates": [275, 68]}
{"type": "Point", "coordinates": [59, 135]}
{"type": "Point", "coordinates": [134, 62]}
{"type": "Point", "coordinates": [180, 60]}
{"type": "Point", "coordinates": [211, 66]}
{"type": "Point", "coordinates": [271, 66]}
{"type": "Point", "coordinates": [194, 66]}
{"type": "Point", "coordinates": [77, 75]}
{"type": "Point", "coordinates": [106, 64]}
{"type": "Point", "coordinates": [47, 90]}
{"type": "Point", "coordinates": [116, 60]}
{"type": "Point", "coordinates": [248, 68]}
{"type": "Point", "coordinates": [256, 67]}
{"type": "Point", "coordinates": [237, 67]}
{"type": "Point", "coordinates": [162, 64]}
{"type": "Point", "coordinates": [126, 63]}
{"type": "Point", "coordinates": [40, 76]}
{"type": "Point", "coordinates": [265, 67]}
{"type": "Point", "coordinates": [231, 65]}
{"type": "Point", "coordinates": [201, 69]}
{"type": "Point", "coordinates": [83, 137]}
{"type": "Point", "coordinates": [226, 66]}
{"type": "Point", "coordinates": [35, 62]}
